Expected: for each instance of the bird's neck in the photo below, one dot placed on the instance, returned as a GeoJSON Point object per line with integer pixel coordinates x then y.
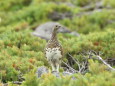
{"type": "Point", "coordinates": [54, 35]}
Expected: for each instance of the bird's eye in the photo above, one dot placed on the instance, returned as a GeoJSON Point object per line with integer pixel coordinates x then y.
{"type": "Point", "coordinates": [56, 26]}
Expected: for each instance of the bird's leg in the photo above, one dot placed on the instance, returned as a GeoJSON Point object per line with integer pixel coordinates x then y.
{"type": "Point", "coordinates": [53, 68]}
{"type": "Point", "coordinates": [57, 67]}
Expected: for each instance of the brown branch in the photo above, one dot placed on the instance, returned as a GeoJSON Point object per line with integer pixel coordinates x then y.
{"type": "Point", "coordinates": [97, 56]}
{"type": "Point", "coordinates": [82, 66]}
{"type": "Point", "coordinates": [75, 60]}
{"type": "Point", "coordinates": [17, 82]}
{"type": "Point", "coordinates": [72, 69]}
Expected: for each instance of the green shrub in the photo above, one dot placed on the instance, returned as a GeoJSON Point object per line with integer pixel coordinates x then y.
{"type": "Point", "coordinates": [103, 41]}
{"type": "Point", "coordinates": [109, 3]}
{"type": "Point", "coordinates": [21, 53]}
{"type": "Point", "coordinates": [95, 77]}
{"type": "Point", "coordinates": [17, 55]}
{"type": "Point", "coordinates": [33, 13]}
{"type": "Point", "coordinates": [97, 21]}
{"type": "Point", "coordinates": [7, 5]}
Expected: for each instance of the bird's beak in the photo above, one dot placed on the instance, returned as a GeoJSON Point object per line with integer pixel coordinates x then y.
{"type": "Point", "coordinates": [59, 26]}
{"type": "Point", "coordinates": [61, 29]}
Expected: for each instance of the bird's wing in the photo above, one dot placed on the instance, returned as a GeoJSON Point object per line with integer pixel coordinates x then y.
{"type": "Point", "coordinates": [61, 51]}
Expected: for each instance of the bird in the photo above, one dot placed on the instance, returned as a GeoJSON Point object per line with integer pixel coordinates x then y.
{"type": "Point", "coordinates": [53, 50]}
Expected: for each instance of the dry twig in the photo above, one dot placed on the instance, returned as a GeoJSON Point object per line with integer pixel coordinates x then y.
{"type": "Point", "coordinates": [82, 66]}
{"type": "Point", "coordinates": [97, 56]}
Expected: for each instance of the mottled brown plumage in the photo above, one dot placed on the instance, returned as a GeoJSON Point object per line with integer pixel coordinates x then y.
{"type": "Point", "coordinates": [54, 50]}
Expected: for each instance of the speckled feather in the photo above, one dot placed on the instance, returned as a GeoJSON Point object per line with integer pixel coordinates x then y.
{"type": "Point", "coordinates": [54, 44]}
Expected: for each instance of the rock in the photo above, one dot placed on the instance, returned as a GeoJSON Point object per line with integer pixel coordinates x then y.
{"type": "Point", "coordinates": [56, 73]}
{"type": "Point", "coordinates": [65, 73]}
{"type": "Point", "coordinates": [43, 70]}
{"type": "Point", "coordinates": [44, 31]}
{"type": "Point", "coordinates": [74, 33]}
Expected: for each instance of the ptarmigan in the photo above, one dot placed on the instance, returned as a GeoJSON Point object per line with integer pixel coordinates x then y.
{"type": "Point", "coordinates": [53, 50]}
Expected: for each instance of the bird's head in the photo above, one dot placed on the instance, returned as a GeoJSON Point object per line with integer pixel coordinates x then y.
{"type": "Point", "coordinates": [56, 27]}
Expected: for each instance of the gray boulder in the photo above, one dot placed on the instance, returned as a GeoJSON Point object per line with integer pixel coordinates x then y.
{"type": "Point", "coordinates": [44, 31]}
{"type": "Point", "coordinates": [43, 70]}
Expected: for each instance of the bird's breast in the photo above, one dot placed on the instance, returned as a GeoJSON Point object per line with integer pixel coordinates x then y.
{"type": "Point", "coordinates": [53, 54]}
